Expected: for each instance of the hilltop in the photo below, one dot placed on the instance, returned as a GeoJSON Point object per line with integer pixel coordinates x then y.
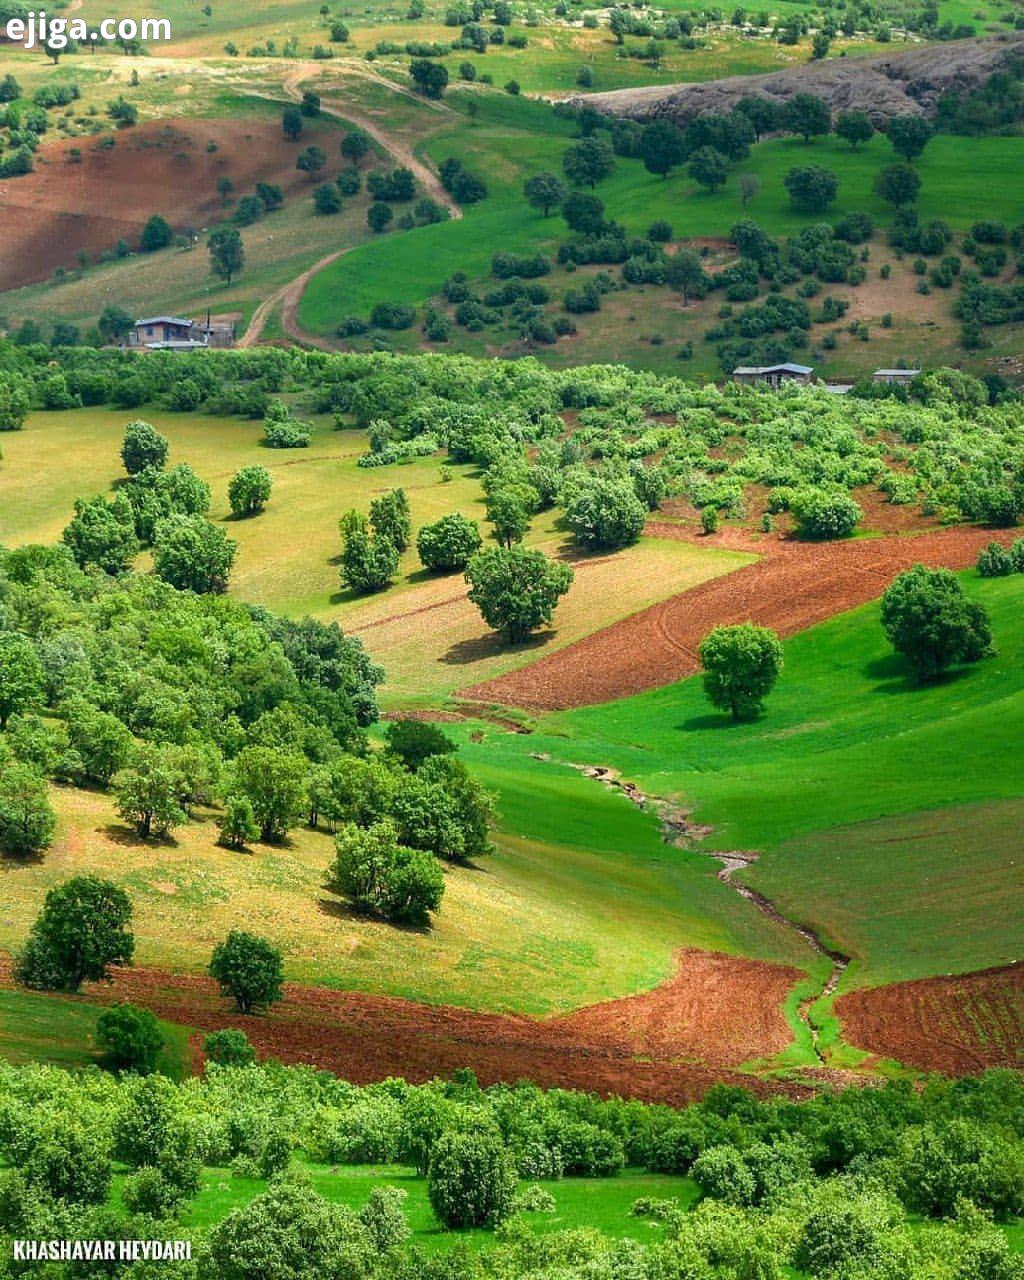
{"type": "Point", "coordinates": [910, 82]}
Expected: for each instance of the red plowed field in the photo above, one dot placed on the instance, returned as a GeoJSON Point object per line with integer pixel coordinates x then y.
{"type": "Point", "coordinates": [794, 586]}
{"type": "Point", "coordinates": [48, 217]}
{"type": "Point", "coordinates": [667, 1045]}
{"type": "Point", "coordinates": [956, 1025]}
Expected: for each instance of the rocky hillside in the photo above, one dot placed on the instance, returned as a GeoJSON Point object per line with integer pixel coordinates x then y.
{"type": "Point", "coordinates": [906, 83]}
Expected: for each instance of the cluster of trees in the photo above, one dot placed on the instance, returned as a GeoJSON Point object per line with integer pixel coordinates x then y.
{"type": "Point", "coordinates": [895, 1180]}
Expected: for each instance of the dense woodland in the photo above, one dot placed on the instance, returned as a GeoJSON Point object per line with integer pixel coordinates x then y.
{"type": "Point", "coordinates": [871, 1183]}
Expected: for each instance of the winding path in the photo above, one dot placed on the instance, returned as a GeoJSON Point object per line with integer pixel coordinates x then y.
{"type": "Point", "coordinates": [290, 294]}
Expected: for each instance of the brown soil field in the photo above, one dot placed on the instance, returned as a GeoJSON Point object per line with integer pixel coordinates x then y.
{"type": "Point", "coordinates": [795, 585]}
{"type": "Point", "coordinates": [957, 1025]}
{"type": "Point", "coordinates": [667, 1045]}
{"type": "Point", "coordinates": [63, 208]}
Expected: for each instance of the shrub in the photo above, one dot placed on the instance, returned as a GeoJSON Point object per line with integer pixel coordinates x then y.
{"type": "Point", "coordinates": [824, 515]}
{"type": "Point", "coordinates": [229, 1047]}
{"type": "Point", "coordinates": [995, 561]}
{"type": "Point", "coordinates": [471, 1181]}
{"type": "Point", "coordinates": [931, 622]}
{"type": "Point", "coordinates": [131, 1037]}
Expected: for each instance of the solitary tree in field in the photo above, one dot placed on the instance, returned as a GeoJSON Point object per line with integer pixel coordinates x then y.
{"type": "Point", "coordinates": [156, 234]}
{"type": "Point", "coordinates": [291, 123]}
{"type": "Point", "coordinates": [545, 191]}
{"type": "Point", "coordinates": [82, 929]}
{"type": "Point", "coordinates": [249, 491]}
{"type": "Point", "coordinates": [932, 623]}
{"type": "Point", "coordinates": [854, 127]}
{"type": "Point", "coordinates": [590, 160]}
{"type": "Point", "coordinates": [430, 76]}
{"type": "Point", "coordinates": [227, 253]}
{"type": "Point", "coordinates": [741, 665]}
{"type": "Point", "coordinates": [898, 183]}
{"type": "Point", "coordinates": [583, 213]}
{"type": "Point", "coordinates": [807, 115]}
{"type": "Point", "coordinates": [355, 145]}
{"type": "Point", "coordinates": [909, 135]}
{"type": "Point", "coordinates": [249, 969]}
{"type": "Point", "coordinates": [811, 188]}
{"type": "Point", "coordinates": [708, 167]}
{"type": "Point", "coordinates": [686, 273]}
{"type": "Point", "coordinates": [516, 588]}
{"type": "Point", "coordinates": [130, 1036]}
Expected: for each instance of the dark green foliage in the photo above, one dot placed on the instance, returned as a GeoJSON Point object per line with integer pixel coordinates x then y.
{"type": "Point", "coordinates": [249, 491]}
{"type": "Point", "coordinates": [545, 191]}
{"type": "Point", "coordinates": [229, 1047]}
{"type": "Point", "coordinates": [516, 589]}
{"type": "Point", "coordinates": [192, 554]}
{"type": "Point", "coordinates": [143, 446]}
{"type": "Point", "coordinates": [708, 167]}
{"type": "Point", "coordinates": [27, 819]}
{"type": "Point", "coordinates": [130, 1037]}
{"type": "Point", "coordinates": [909, 135]}
{"type": "Point", "coordinates": [81, 930]}
{"type": "Point", "coordinates": [898, 184]}
{"type": "Point", "coordinates": [824, 515]}
{"type": "Point", "coordinates": [448, 544]}
{"type": "Point", "coordinates": [380, 875]}
{"type": "Point", "coordinates": [854, 127]}
{"type": "Point", "coordinates": [471, 1181]}
{"type": "Point", "coordinates": [291, 123]}
{"type": "Point", "coordinates": [583, 213]}
{"type": "Point", "coordinates": [327, 199]}
{"type": "Point", "coordinates": [806, 115]}
{"type": "Point", "coordinates": [273, 780]}
{"type": "Point", "coordinates": [431, 77]}
{"type": "Point", "coordinates": [662, 147]}
{"type": "Point", "coordinates": [811, 188]}
{"type": "Point", "coordinates": [931, 622]}
{"type": "Point", "coordinates": [605, 512]}
{"type": "Point", "coordinates": [249, 969]}
{"type": "Point", "coordinates": [156, 234]}
{"type": "Point", "coordinates": [588, 162]}
{"type": "Point", "coordinates": [227, 253]}
{"type": "Point", "coordinates": [415, 741]}
{"type": "Point", "coordinates": [741, 665]}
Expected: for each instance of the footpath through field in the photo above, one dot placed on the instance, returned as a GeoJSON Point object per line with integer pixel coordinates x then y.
{"type": "Point", "coordinates": [289, 295]}
{"type": "Point", "coordinates": [794, 586]}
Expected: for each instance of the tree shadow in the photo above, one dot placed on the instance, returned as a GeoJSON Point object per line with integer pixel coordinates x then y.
{"type": "Point", "coordinates": [464, 652]}
{"type": "Point", "coordinates": [129, 838]}
{"type": "Point", "coordinates": [713, 720]}
{"type": "Point", "coordinates": [346, 911]}
{"type": "Point", "coordinates": [894, 675]}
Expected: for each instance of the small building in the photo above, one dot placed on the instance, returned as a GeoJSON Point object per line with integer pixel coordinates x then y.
{"type": "Point", "coordinates": [895, 377]}
{"type": "Point", "coordinates": [173, 333]}
{"type": "Point", "coordinates": [772, 375]}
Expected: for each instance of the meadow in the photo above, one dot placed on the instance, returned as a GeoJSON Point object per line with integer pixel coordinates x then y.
{"type": "Point", "coordinates": [38, 1028]}
{"type": "Point", "coordinates": [851, 765]}
{"type": "Point", "coordinates": [430, 640]}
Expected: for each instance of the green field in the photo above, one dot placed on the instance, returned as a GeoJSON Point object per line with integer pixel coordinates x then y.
{"type": "Point", "coordinates": [61, 1031]}
{"type": "Point", "coordinates": [847, 745]}
{"type": "Point", "coordinates": [602, 1203]}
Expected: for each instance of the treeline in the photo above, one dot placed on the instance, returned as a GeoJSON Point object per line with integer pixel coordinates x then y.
{"type": "Point", "coordinates": [890, 1181]}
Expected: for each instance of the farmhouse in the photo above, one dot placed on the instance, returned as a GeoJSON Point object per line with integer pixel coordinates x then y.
{"type": "Point", "coordinates": [895, 377]}
{"type": "Point", "coordinates": [771, 375]}
{"type": "Point", "coordinates": [172, 333]}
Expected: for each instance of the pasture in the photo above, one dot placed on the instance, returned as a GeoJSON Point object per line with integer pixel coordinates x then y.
{"type": "Point", "coordinates": [848, 745]}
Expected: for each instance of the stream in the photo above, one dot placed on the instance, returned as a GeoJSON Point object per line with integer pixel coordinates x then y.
{"type": "Point", "coordinates": [678, 830]}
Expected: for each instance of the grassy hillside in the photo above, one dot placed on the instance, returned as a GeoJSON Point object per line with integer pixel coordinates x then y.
{"type": "Point", "coordinates": [61, 1031]}
{"type": "Point", "coordinates": [847, 747]}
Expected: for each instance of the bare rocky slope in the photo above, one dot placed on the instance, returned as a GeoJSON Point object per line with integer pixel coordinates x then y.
{"type": "Point", "coordinates": [909, 82]}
